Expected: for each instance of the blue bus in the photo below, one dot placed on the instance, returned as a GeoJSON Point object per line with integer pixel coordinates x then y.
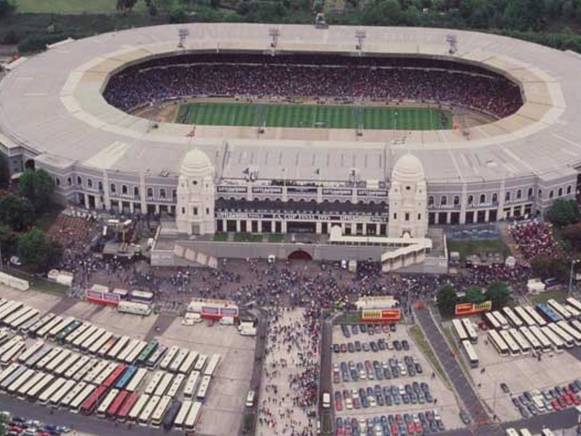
{"type": "Point", "coordinates": [548, 312]}
{"type": "Point", "coordinates": [126, 377]}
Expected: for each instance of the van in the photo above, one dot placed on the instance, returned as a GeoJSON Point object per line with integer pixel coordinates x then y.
{"type": "Point", "coordinates": [250, 398]}
{"type": "Point", "coordinates": [326, 400]}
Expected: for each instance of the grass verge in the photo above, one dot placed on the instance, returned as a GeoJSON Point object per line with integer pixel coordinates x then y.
{"type": "Point", "coordinates": [481, 247]}
{"type": "Point", "coordinates": [418, 337]}
{"type": "Point", "coordinates": [558, 294]}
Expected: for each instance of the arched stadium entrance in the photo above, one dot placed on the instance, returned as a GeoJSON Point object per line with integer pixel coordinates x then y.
{"type": "Point", "coordinates": [300, 255]}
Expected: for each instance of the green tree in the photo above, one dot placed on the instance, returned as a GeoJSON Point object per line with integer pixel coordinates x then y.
{"type": "Point", "coordinates": [16, 212]}
{"type": "Point", "coordinates": [475, 295]}
{"type": "Point", "coordinates": [37, 251]}
{"type": "Point", "coordinates": [446, 300]}
{"type": "Point", "coordinates": [7, 241]}
{"type": "Point", "coordinates": [4, 171]}
{"type": "Point", "coordinates": [563, 212]}
{"type": "Point", "coordinates": [572, 234]}
{"type": "Point", "coordinates": [547, 266]}
{"type": "Point", "coordinates": [125, 6]}
{"type": "Point", "coordinates": [38, 187]}
{"type": "Point", "coordinates": [498, 293]}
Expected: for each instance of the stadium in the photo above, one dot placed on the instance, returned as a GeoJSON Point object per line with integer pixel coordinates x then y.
{"type": "Point", "coordinates": [293, 129]}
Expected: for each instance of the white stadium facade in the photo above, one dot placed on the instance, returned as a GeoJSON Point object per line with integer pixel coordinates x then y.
{"type": "Point", "coordinates": [252, 179]}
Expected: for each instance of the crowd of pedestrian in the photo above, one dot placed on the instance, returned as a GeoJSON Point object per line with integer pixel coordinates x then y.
{"type": "Point", "coordinates": [331, 78]}
{"type": "Point", "coordinates": [534, 238]}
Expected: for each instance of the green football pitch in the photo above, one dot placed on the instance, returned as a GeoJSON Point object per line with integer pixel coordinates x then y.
{"type": "Point", "coordinates": [297, 115]}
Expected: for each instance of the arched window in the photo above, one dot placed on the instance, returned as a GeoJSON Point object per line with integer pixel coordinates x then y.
{"type": "Point", "coordinates": [551, 194]}
{"type": "Point", "coordinates": [394, 216]}
{"type": "Point", "coordinates": [90, 183]}
{"type": "Point", "coordinates": [560, 192]}
{"type": "Point", "coordinates": [482, 198]}
{"type": "Point", "coordinates": [149, 192]}
{"type": "Point", "coordinates": [530, 192]}
{"type": "Point", "coordinates": [443, 200]}
{"type": "Point", "coordinates": [124, 189]}
{"type": "Point", "coordinates": [495, 197]}
{"type": "Point", "coordinates": [100, 186]}
{"type": "Point", "coordinates": [79, 180]}
{"type": "Point", "coordinates": [569, 189]}
{"type": "Point", "coordinates": [470, 200]}
{"type": "Point", "coordinates": [113, 187]}
{"type": "Point", "coordinates": [540, 193]}
{"type": "Point", "coordinates": [518, 194]}
{"type": "Point", "coordinates": [407, 216]}
{"type": "Point", "coordinates": [507, 196]}
{"type": "Point", "coordinates": [430, 200]}
{"type": "Point", "coordinates": [456, 200]}
{"type": "Point", "coordinates": [162, 193]}
{"type": "Point", "coordinates": [136, 191]}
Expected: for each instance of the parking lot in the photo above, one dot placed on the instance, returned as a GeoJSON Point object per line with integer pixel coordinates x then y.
{"type": "Point", "coordinates": [224, 404]}
{"type": "Point", "coordinates": [520, 374]}
{"type": "Point", "coordinates": [382, 380]}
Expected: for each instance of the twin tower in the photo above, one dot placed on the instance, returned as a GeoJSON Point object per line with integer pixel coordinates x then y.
{"type": "Point", "coordinates": [196, 194]}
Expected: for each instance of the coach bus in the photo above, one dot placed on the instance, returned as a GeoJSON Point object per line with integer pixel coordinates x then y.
{"type": "Point", "coordinates": [89, 405]}
{"type": "Point", "coordinates": [19, 381]}
{"type": "Point", "coordinates": [8, 370]}
{"type": "Point", "coordinates": [147, 351]}
{"type": "Point", "coordinates": [79, 400]}
{"type": "Point", "coordinates": [147, 411]}
{"type": "Point", "coordinates": [35, 391]}
{"type": "Point", "coordinates": [571, 331]}
{"type": "Point", "coordinates": [178, 360]}
{"type": "Point", "coordinates": [203, 388]}
{"type": "Point", "coordinates": [127, 406]}
{"type": "Point", "coordinates": [10, 378]}
{"type": "Point", "coordinates": [501, 319]}
{"type": "Point", "coordinates": [193, 416]}
{"type": "Point", "coordinates": [127, 350]}
{"type": "Point", "coordinates": [96, 370]}
{"type": "Point", "coordinates": [573, 302]}
{"type": "Point", "coordinates": [25, 327]}
{"type": "Point", "coordinates": [546, 343]}
{"type": "Point", "coordinates": [548, 313]}
{"type": "Point", "coordinates": [459, 329]}
{"type": "Point", "coordinates": [565, 337]}
{"type": "Point", "coordinates": [159, 411]}
{"type": "Point", "coordinates": [113, 378]}
{"type": "Point", "coordinates": [154, 358]}
{"type": "Point", "coordinates": [47, 394]}
{"type": "Point", "coordinates": [512, 318]}
{"type": "Point", "coordinates": [24, 388]}
{"type": "Point", "coordinates": [576, 325]}
{"type": "Point", "coordinates": [559, 308]}
{"type": "Point", "coordinates": [62, 335]}
{"type": "Point", "coordinates": [72, 394]}
{"type": "Point", "coordinates": [213, 365]}
{"type": "Point", "coordinates": [72, 336]}
{"type": "Point", "coordinates": [33, 360]}
{"type": "Point", "coordinates": [180, 418]}
{"type": "Point", "coordinates": [76, 370]}
{"type": "Point", "coordinates": [91, 340]}
{"type": "Point", "coordinates": [116, 404]}
{"type": "Point", "coordinates": [54, 332]}
{"type": "Point", "coordinates": [163, 385]}
{"type": "Point", "coordinates": [10, 319]}
{"type": "Point", "coordinates": [523, 344]}
{"type": "Point", "coordinates": [512, 346]}
{"type": "Point", "coordinates": [12, 353]}
{"type": "Point", "coordinates": [102, 409]}
{"type": "Point", "coordinates": [24, 318]}
{"type": "Point", "coordinates": [30, 351]}
{"type": "Point", "coordinates": [10, 343]}
{"type": "Point", "coordinates": [119, 345]}
{"type": "Point", "coordinates": [468, 327]}
{"type": "Point", "coordinates": [170, 355]}
{"type": "Point", "coordinates": [43, 331]}
{"type": "Point", "coordinates": [58, 359]}
{"type": "Point", "coordinates": [80, 340]}
{"type": "Point", "coordinates": [201, 363]}
{"type": "Point", "coordinates": [470, 353]}
{"type": "Point", "coordinates": [491, 320]}
{"type": "Point", "coordinates": [523, 314]}
{"type": "Point", "coordinates": [126, 377]}
{"type": "Point", "coordinates": [49, 357]}
{"type": "Point", "coordinates": [98, 344]}
{"type": "Point", "coordinates": [134, 354]}
{"type": "Point", "coordinates": [188, 363]}
{"type": "Point", "coordinates": [192, 384]}
{"type": "Point", "coordinates": [176, 385]}
{"type": "Point", "coordinates": [136, 380]}
{"type": "Point", "coordinates": [141, 296]}
{"type": "Point", "coordinates": [133, 415]}
{"type": "Point", "coordinates": [557, 343]}
{"type": "Point", "coordinates": [56, 398]}
{"type": "Point", "coordinates": [530, 338]}
{"type": "Point", "coordinates": [107, 346]}
{"type": "Point", "coordinates": [538, 319]}
{"type": "Point", "coordinates": [171, 414]}
{"type": "Point", "coordinates": [106, 373]}
{"type": "Point", "coordinates": [153, 382]}
{"type": "Point", "coordinates": [8, 309]}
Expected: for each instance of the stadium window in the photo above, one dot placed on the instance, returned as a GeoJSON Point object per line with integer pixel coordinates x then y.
{"type": "Point", "coordinates": [470, 200]}
{"type": "Point", "coordinates": [183, 210]}
{"type": "Point", "coordinates": [518, 194]}
{"type": "Point", "coordinates": [551, 194]}
{"type": "Point", "coordinates": [569, 189]}
{"type": "Point", "coordinates": [79, 181]}
{"type": "Point", "coordinates": [195, 210]}
{"type": "Point", "coordinates": [495, 197]}
{"type": "Point", "coordinates": [194, 182]}
{"type": "Point", "coordinates": [430, 200]}
{"type": "Point", "coordinates": [100, 186]}
{"type": "Point", "coordinates": [456, 200]}
{"type": "Point", "coordinates": [149, 192]}
{"type": "Point", "coordinates": [482, 198]}
{"type": "Point", "coordinates": [207, 211]}
{"type": "Point", "coordinates": [113, 187]}
{"type": "Point", "coordinates": [407, 216]}
{"type": "Point", "coordinates": [90, 183]}
{"type": "Point", "coordinates": [507, 196]}
{"type": "Point", "coordinates": [560, 192]}
{"type": "Point", "coordinates": [124, 189]}
{"type": "Point", "coordinates": [443, 200]}
{"type": "Point", "coordinates": [162, 193]}
{"type": "Point", "coordinates": [395, 216]}
{"type": "Point", "coordinates": [540, 193]}
{"type": "Point", "coordinates": [136, 191]}
{"type": "Point", "coordinates": [419, 216]}
{"type": "Point", "coordinates": [69, 181]}
{"type": "Point", "coordinates": [530, 193]}
{"type": "Point", "coordinates": [174, 194]}
{"type": "Point", "coordinates": [57, 181]}
{"type": "Point", "coordinates": [407, 188]}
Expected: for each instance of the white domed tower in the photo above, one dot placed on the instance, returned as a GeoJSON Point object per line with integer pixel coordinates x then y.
{"type": "Point", "coordinates": [408, 199]}
{"type": "Point", "coordinates": [195, 202]}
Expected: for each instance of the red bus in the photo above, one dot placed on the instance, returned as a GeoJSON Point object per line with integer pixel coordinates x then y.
{"type": "Point", "coordinates": [127, 406]}
{"type": "Point", "coordinates": [116, 404]}
{"type": "Point", "coordinates": [88, 406]}
{"type": "Point", "coordinates": [114, 376]}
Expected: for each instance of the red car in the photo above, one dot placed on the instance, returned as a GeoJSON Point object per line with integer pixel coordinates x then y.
{"type": "Point", "coordinates": [556, 405]}
{"type": "Point", "coordinates": [336, 377]}
{"type": "Point", "coordinates": [338, 401]}
{"type": "Point", "coordinates": [568, 400]}
{"type": "Point", "coordinates": [343, 348]}
{"type": "Point", "coordinates": [411, 427]}
{"type": "Point", "coordinates": [576, 400]}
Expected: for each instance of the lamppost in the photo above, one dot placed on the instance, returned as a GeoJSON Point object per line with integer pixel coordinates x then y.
{"type": "Point", "coordinates": [573, 263]}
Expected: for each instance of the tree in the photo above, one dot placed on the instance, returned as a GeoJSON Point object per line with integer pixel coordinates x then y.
{"type": "Point", "coordinates": [563, 212]}
{"type": "Point", "coordinates": [4, 171]}
{"type": "Point", "coordinates": [572, 234]}
{"type": "Point", "coordinates": [36, 250]}
{"type": "Point", "coordinates": [125, 5]}
{"type": "Point", "coordinates": [38, 187]}
{"type": "Point", "coordinates": [446, 300]}
{"type": "Point", "coordinates": [16, 212]}
{"type": "Point", "coordinates": [547, 266]}
{"type": "Point", "coordinates": [5, 8]}
{"type": "Point", "coordinates": [498, 293]}
{"type": "Point", "coordinates": [7, 241]}
{"type": "Point", "coordinates": [475, 295]}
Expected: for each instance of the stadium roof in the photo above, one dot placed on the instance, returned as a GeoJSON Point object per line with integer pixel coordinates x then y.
{"type": "Point", "coordinates": [52, 104]}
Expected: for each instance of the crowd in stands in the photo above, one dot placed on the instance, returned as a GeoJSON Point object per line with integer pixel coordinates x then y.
{"type": "Point", "coordinates": [342, 78]}
{"type": "Point", "coordinates": [71, 232]}
{"type": "Point", "coordinates": [534, 238]}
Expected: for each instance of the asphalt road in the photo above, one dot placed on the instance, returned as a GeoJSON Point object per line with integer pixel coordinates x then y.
{"type": "Point", "coordinates": [325, 384]}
